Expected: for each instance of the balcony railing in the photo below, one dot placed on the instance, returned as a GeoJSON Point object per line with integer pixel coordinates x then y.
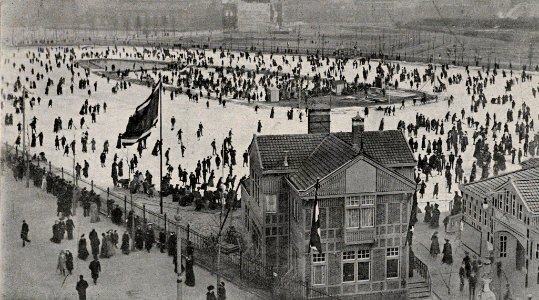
{"type": "Point", "coordinates": [359, 236]}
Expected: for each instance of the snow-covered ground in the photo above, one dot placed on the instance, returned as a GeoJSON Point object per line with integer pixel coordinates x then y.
{"type": "Point", "coordinates": [30, 272]}
{"type": "Point", "coordinates": [217, 121]}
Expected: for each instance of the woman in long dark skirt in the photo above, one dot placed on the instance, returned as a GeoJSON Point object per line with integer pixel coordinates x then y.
{"type": "Point", "coordinates": [125, 243]}
{"type": "Point", "coordinates": [189, 273]}
{"type": "Point", "coordinates": [83, 250]}
{"type": "Point", "coordinates": [434, 245]}
{"type": "Point", "coordinates": [69, 261]}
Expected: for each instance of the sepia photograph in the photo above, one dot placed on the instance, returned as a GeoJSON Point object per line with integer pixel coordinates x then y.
{"type": "Point", "coordinates": [269, 149]}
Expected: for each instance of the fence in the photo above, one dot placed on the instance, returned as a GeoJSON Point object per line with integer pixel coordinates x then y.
{"type": "Point", "coordinates": [421, 52]}
{"type": "Point", "coordinates": [233, 265]}
{"type": "Point", "coordinates": [423, 271]}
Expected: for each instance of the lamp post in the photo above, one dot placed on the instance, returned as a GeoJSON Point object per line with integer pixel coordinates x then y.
{"type": "Point", "coordinates": [179, 272]}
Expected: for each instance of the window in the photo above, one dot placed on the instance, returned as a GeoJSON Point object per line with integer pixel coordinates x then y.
{"type": "Point", "coordinates": [537, 252]}
{"type": "Point", "coordinates": [503, 246]}
{"type": "Point", "coordinates": [520, 211]}
{"type": "Point", "coordinates": [348, 266]}
{"type": "Point", "coordinates": [367, 217]}
{"type": "Point", "coordinates": [360, 211]}
{"type": "Point", "coordinates": [364, 265]}
{"type": "Point", "coordinates": [356, 265]}
{"type": "Point", "coordinates": [319, 269]}
{"type": "Point", "coordinates": [392, 262]}
{"type": "Point", "coordinates": [271, 203]}
{"type": "Point", "coordinates": [352, 218]}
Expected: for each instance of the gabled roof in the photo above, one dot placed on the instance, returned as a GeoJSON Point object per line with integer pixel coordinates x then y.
{"type": "Point", "coordinates": [529, 190]}
{"type": "Point", "coordinates": [528, 176]}
{"type": "Point", "coordinates": [388, 148]}
{"type": "Point", "coordinates": [530, 163]}
{"type": "Point", "coordinates": [407, 182]}
{"type": "Point", "coordinates": [329, 155]}
{"type": "Point", "coordinates": [272, 149]}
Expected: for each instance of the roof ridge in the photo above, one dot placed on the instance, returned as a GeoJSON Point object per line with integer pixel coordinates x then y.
{"type": "Point", "coordinates": [289, 134]}
{"type": "Point", "coordinates": [501, 175]}
{"type": "Point", "coordinates": [330, 135]}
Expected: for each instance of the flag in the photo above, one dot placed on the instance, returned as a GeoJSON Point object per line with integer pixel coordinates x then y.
{"type": "Point", "coordinates": [315, 242]}
{"type": "Point", "coordinates": [143, 120]}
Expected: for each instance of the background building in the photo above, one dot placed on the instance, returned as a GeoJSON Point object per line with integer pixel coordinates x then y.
{"type": "Point", "coordinates": [501, 220]}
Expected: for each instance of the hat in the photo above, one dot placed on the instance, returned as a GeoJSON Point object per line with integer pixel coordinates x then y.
{"type": "Point", "coordinates": [210, 288]}
{"type": "Point", "coordinates": [447, 240]}
{"type": "Point", "coordinates": [436, 232]}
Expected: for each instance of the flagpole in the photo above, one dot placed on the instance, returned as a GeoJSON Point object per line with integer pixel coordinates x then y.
{"type": "Point", "coordinates": [160, 147]}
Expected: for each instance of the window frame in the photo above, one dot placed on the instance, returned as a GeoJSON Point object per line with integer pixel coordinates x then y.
{"type": "Point", "coordinates": [271, 197]}
{"type": "Point", "coordinates": [392, 253]}
{"type": "Point", "coordinates": [362, 259]}
{"type": "Point", "coordinates": [355, 258]}
{"type": "Point", "coordinates": [360, 203]}
{"type": "Point", "coordinates": [502, 240]}
{"type": "Point", "coordinates": [319, 261]}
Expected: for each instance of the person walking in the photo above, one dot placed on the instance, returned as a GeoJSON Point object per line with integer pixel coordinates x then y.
{"type": "Point", "coordinates": [434, 244]}
{"type": "Point", "coordinates": [81, 287]}
{"type": "Point", "coordinates": [24, 233]}
{"type": "Point", "coordinates": [150, 239]}
{"type": "Point", "coordinates": [462, 275]}
{"type": "Point", "coordinates": [83, 250]}
{"type": "Point", "coordinates": [447, 257]}
{"type": "Point", "coordinates": [125, 243]}
{"type": "Point", "coordinates": [221, 291]}
{"type": "Point", "coordinates": [95, 268]}
{"type": "Point", "coordinates": [210, 294]}
{"type": "Point", "coordinates": [69, 261]}
{"type": "Point", "coordinates": [435, 192]}
{"type": "Point", "coordinates": [472, 282]}
{"type": "Point", "coordinates": [61, 266]}
{"type": "Point", "coordinates": [69, 228]}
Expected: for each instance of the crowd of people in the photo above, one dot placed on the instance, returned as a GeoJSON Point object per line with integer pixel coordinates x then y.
{"type": "Point", "coordinates": [442, 142]}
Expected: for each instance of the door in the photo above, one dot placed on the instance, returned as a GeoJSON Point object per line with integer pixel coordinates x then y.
{"type": "Point", "coordinates": [520, 257]}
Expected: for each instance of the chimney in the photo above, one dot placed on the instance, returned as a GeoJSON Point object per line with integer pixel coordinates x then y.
{"type": "Point", "coordinates": [358, 127]}
{"type": "Point", "coordinates": [319, 119]}
{"type": "Point", "coordinates": [285, 162]}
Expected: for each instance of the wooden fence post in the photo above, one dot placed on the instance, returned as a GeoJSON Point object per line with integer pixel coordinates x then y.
{"type": "Point", "coordinates": [188, 229]}
{"type": "Point", "coordinates": [241, 260]}
{"type": "Point", "coordinates": [92, 183]}
{"type": "Point", "coordinates": [165, 223]}
{"type": "Point", "coordinates": [144, 212]}
{"type": "Point", "coordinates": [50, 167]}
{"type": "Point", "coordinates": [62, 172]}
{"type": "Point", "coordinates": [125, 205]}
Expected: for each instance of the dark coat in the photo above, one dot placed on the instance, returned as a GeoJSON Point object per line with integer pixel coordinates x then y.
{"type": "Point", "coordinates": [69, 261]}
{"type": "Point", "coordinates": [95, 268]}
{"type": "Point", "coordinates": [82, 285]}
{"type": "Point", "coordinates": [125, 244]}
{"type": "Point", "coordinates": [434, 245]}
{"type": "Point", "coordinates": [150, 239]}
{"type": "Point", "coordinates": [447, 257]}
{"type": "Point", "coordinates": [83, 251]}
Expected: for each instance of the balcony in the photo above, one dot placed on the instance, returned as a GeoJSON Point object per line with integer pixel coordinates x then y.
{"type": "Point", "coordinates": [359, 236]}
